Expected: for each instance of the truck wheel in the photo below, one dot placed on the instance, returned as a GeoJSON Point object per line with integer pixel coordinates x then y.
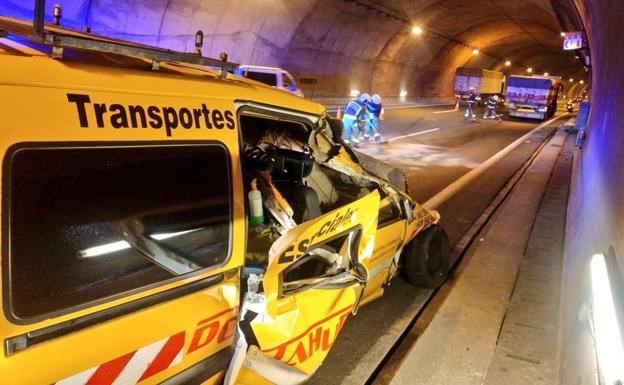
{"type": "Point", "coordinates": [425, 258]}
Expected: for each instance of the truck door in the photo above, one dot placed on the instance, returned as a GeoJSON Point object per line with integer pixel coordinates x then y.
{"type": "Point", "coordinates": [389, 238]}
{"type": "Point", "coordinates": [312, 283]}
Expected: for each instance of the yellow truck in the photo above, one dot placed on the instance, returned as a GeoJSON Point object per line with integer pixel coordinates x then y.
{"type": "Point", "coordinates": [127, 251]}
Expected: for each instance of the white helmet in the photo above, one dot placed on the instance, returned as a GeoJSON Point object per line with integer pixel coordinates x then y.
{"type": "Point", "coordinates": [376, 99]}
{"type": "Point", "coordinates": [495, 97]}
{"type": "Point", "coordinates": [364, 98]}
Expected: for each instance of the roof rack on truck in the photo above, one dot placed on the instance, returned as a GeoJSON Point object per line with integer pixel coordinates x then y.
{"type": "Point", "coordinates": [59, 38]}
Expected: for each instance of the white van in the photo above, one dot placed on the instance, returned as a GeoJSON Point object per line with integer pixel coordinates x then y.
{"type": "Point", "coordinates": [273, 76]}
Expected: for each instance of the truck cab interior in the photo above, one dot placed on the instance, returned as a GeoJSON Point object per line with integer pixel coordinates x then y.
{"type": "Point", "coordinates": [295, 187]}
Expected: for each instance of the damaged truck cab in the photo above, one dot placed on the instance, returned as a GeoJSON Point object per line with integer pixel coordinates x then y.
{"type": "Point", "coordinates": [332, 240]}
{"type": "Point", "coordinates": [127, 250]}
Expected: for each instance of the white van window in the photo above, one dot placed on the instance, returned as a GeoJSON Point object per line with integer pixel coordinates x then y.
{"type": "Point", "coordinates": [286, 81]}
{"type": "Point", "coordinates": [89, 223]}
{"type": "Point", "coordinates": [263, 77]}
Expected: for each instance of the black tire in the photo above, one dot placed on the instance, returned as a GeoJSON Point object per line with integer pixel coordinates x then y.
{"type": "Point", "coordinates": [426, 258]}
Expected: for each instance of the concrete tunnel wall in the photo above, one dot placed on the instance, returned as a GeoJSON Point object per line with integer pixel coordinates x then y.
{"type": "Point", "coordinates": [596, 203]}
{"type": "Point", "coordinates": [342, 44]}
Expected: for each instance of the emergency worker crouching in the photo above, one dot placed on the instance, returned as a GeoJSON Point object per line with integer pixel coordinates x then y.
{"type": "Point", "coordinates": [354, 113]}
{"type": "Point", "coordinates": [374, 110]}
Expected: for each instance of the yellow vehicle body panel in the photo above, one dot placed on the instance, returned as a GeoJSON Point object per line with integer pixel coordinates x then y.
{"type": "Point", "coordinates": [302, 336]}
{"type": "Point", "coordinates": [34, 95]}
{"type": "Point", "coordinates": [84, 350]}
{"type": "Point", "coordinates": [299, 329]}
{"type": "Point", "coordinates": [388, 240]}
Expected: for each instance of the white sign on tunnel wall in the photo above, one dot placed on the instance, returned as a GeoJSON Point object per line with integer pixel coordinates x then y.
{"type": "Point", "coordinates": [573, 40]}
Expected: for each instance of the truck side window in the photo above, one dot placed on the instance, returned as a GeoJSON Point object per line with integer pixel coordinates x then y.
{"type": "Point", "coordinates": [287, 82]}
{"type": "Point", "coordinates": [89, 223]}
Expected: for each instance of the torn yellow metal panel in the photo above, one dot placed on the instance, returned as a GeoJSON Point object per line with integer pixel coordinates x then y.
{"type": "Point", "coordinates": [298, 329]}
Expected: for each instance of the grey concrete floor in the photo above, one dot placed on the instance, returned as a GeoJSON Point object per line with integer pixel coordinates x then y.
{"type": "Point", "coordinates": [432, 161]}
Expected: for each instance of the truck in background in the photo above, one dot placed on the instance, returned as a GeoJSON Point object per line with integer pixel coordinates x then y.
{"type": "Point", "coordinates": [533, 96]}
{"type": "Point", "coordinates": [485, 82]}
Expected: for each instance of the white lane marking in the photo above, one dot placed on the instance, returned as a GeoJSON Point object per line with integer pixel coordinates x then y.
{"type": "Point", "coordinates": [413, 134]}
{"type": "Point", "coordinates": [396, 106]}
{"type": "Point", "coordinates": [451, 189]}
{"type": "Point", "coordinates": [443, 112]}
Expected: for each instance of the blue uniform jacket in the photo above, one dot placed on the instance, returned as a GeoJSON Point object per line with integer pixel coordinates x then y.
{"type": "Point", "coordinates": [374, 109]}
{"type": "Point", "coordinates": [354, 109]}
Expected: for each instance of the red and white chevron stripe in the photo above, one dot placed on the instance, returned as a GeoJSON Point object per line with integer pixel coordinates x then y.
{"type": "Point", "coordinates": [133, 367]}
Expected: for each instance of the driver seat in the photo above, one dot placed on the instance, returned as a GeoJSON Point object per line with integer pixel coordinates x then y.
{"type": "Point", "coordinates": [290, 167]}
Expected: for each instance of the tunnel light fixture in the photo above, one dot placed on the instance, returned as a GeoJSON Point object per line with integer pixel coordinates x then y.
{"type": "Point", "coordinates": [530, 69]}
{"type": "Point", "coordinates": [403, 93]}
{"type": "Point", "coordinates": [582, 83]}
{"type": "Point", "coordinates": [607, 335]}
{"type": "Point", "coordinates": [475, 51]}
{"type": "Point", "coordinates": [416, 30]}
{"type": "Point", "coordinates": [562, 34]}
{"type": "Point", "coordinates": [354, 93]}
{"type": "Point", "coordinates": [571, 80]}
{"type": "Point", "coordinates": [545, 73]}
{"type": "Point", "coordinates": [507, 63]}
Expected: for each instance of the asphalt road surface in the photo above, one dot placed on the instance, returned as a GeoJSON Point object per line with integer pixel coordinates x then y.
{"type": "Point", "coordinates": [435, 147]}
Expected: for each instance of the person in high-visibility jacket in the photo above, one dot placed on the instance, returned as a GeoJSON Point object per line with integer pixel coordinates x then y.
{"type": "Point", "coordinates": [471, 102]}
{"type": "Point", "coordinates": [490, 108]}
{"type": "Point", "coordinates": [374, 110]}
{"type": "Point", "coordinates": [354, 113]}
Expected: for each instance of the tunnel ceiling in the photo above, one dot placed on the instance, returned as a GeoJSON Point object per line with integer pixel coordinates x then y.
{"type": "Point", "coordinates": [345, 44]}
